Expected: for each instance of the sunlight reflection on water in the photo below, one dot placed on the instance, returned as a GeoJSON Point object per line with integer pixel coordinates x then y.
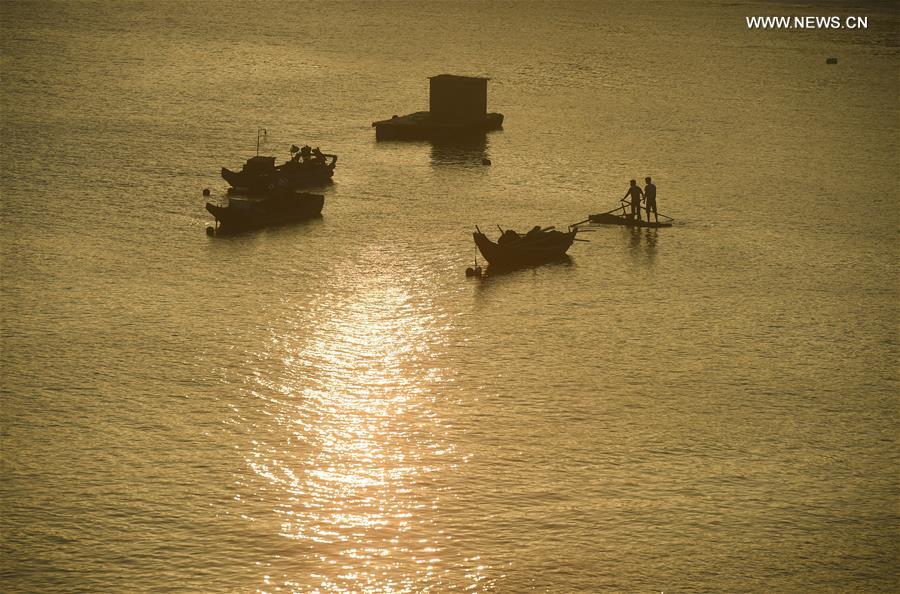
{"type": "Point", "coordinates": [358, 479]}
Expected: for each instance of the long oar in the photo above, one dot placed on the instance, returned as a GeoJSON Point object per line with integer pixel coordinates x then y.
{"type": "Point", "coordinates": [659, 214]}
{"type": "Point", "coordinates": [588, 220]}
{"type": "Point", "coordinates": [584, 240]}
{"type": "Point", "coordinates": [621, 207]}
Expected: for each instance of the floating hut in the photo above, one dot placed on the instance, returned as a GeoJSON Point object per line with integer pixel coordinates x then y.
{"type": "Point", "coordinates": [457, 107]}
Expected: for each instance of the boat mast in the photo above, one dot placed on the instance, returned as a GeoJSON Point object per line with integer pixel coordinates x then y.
{"type": "Point", "coordinates": [264, 133]}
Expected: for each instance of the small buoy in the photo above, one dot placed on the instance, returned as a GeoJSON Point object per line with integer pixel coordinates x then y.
{"type": "Point", "coordinates": [470, 271]}
{"type": "Point", "coordinates": [206, 191]}
{"type": "Point", "coordinates": [485, 161]}
{"type": "Point", "coordinates": [210, 231]}
{"type": "Point", "coordinates": [831, 61]}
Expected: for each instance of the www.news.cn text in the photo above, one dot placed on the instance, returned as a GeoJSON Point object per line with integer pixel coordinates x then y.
{"type": "Point", "coordinates": [807, 22]}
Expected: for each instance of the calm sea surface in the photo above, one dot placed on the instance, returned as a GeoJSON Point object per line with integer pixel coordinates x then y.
{"type": "Point", "coordinates": [333, 406]}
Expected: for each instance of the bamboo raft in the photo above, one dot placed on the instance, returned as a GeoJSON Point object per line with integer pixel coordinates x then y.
{"type": "Point", "coordinates": [614, 217]}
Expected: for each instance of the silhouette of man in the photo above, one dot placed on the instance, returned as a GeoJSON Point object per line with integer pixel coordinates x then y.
{"type": "Point", "coordinates": [635, 192]}
{"type": "Point", "coordinates": [650, 198]}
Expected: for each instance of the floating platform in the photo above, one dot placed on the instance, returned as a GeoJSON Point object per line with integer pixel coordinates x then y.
{"type": "Point", "coordinates": [457, 108]}
{"type": "Point", "coordinates": [423, 126]}
{"type": "Point", "coordinates": [611, 219]}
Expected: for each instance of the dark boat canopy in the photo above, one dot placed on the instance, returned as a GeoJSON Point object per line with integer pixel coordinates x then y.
{"type": "Point", "coordinates": [259, 162]}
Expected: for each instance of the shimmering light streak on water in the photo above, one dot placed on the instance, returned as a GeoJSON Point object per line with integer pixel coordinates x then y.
{"type": "Point", "coordinates": [355, 448]}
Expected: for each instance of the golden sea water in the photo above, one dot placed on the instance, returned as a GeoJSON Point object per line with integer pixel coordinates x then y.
{"type": "Point", "coordinates": [333, 406]}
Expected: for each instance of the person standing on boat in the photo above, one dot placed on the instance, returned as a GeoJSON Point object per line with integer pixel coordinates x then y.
{"type": "Point", "coordinates": [650, 198]}
{"type": "Point", "coordinates": [636, 193]}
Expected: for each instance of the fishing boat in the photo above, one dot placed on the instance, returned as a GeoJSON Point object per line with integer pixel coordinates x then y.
{"type": "Point", "coordinates": [306, 167]}
{"type": "Point", "coordinates": [514, 249]}
{"type": "Point", "coordinates": [242, 213]}
{"type": "Point", "coordinates": [608, 218]}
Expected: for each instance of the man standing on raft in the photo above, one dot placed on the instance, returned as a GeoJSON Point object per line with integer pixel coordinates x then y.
{"type": "Point", "coordinates": [635, 192]}
{"type": "Point", "coordinates": [650, 199]}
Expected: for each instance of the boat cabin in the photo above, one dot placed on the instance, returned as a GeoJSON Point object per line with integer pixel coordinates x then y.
{"type": "Point", "coordinates": [259, 163]}
{"type": "Point", "coordinates": [455, 98]}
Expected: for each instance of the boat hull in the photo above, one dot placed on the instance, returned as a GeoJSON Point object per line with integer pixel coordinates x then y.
{"type": "Point", "coordinates": [524, 252]}
{"type": "Point", "coordinates": [244, 214]}
{"type": "Point", "coordinates": [611, 219]}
